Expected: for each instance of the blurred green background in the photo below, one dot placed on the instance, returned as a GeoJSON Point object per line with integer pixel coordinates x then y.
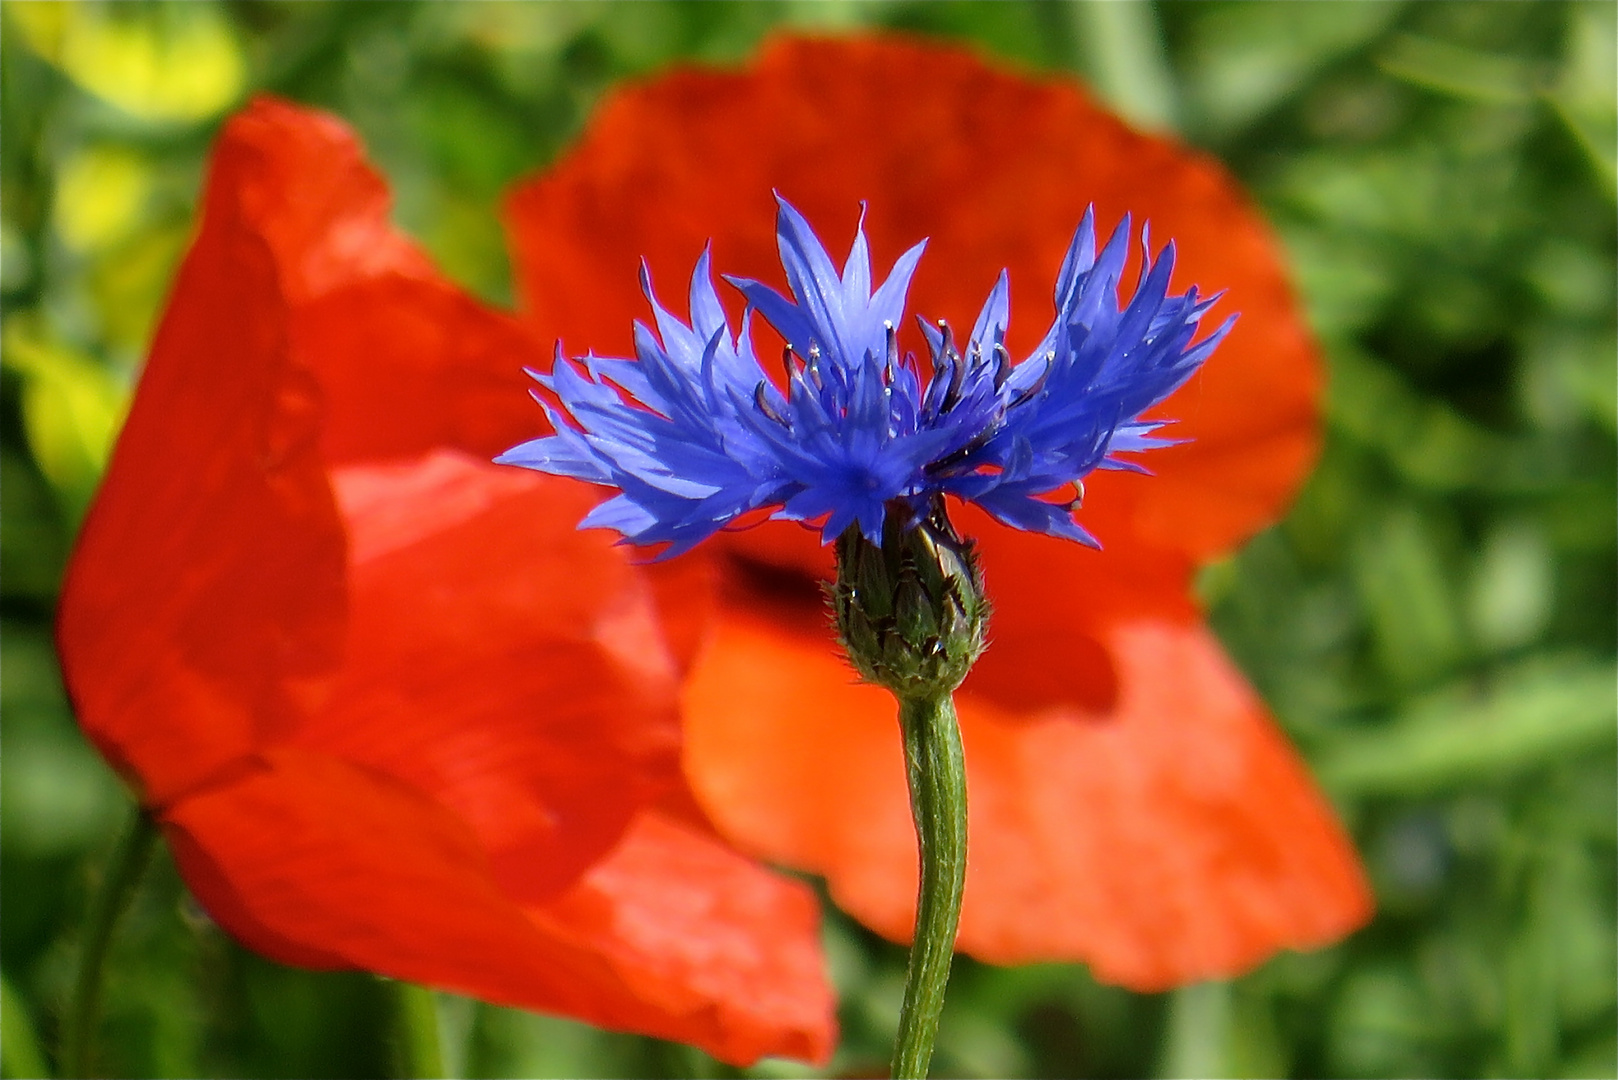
{"type": "Point", "coordinates": [1434, 624]}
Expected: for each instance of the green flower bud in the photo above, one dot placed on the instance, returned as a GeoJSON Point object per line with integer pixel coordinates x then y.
{"type": "Point", "coordinates": [911, 613]}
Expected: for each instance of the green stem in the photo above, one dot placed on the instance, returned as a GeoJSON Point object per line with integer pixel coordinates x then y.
{"type": "Point", "coordinates": [111, 899]}
{"type": "Point", "coordinates": [937, 773]}
{"type": "Point", "coordinates": [1121, 52]}
{"type": "Point", "coordinates": [418, 1032]}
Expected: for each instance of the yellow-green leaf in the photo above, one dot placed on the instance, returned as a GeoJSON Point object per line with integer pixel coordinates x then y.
{"type": "Point", "coordinates": [72, 410]}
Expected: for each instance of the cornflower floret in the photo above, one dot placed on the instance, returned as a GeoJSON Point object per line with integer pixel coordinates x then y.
{"type": "Point", "coordinates": [694, 433]}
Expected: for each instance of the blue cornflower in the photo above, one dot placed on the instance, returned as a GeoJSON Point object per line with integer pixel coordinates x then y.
{"type": "Point", "coordinates": [693, 433]}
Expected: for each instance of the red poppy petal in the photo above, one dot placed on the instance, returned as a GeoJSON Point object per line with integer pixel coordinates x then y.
{"type": "Point", "coordinates": [296, 178]}
{"type": "Point", "coordinates": [1052, 602]}
{"type": "Point", "coordinates": [1173, 839]}
{"type": "Point", "coordinates": [360, 870]}
{"type": "Point", "coordinates": [497, 681]}
{"type": "Point", "coordinates": [1217, 847]}
{"type": "Point", "coordinates": [996, 169]}
{"type": "Point", "coordinates": [737, 945]}
{"type": "Point", "coordinates": [487, 639]}
{"type": "Point", "coordinates": [793, 758]}
{"type": "Point", "coordinates": [204, 601]}
{"type": "Point", "coordinates": [452, 376]}
{"type": "Point", "coordinates": [363, 294]}
{"type": "Point", "coordinates": [504, 663]}
{"type": "Point", "coordinates": [206, 589]}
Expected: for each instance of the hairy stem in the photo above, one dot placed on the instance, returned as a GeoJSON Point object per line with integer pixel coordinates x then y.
{"type": "Point", "coordinates": [937, 774]}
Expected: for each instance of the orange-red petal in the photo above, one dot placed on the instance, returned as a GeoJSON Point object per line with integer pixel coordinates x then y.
{"type": "Point", "coordinates": [203, 608]}
{"type": "Point", "coordinates": [500, 661]}
{"type": "Point", "coordinates": [361, 291]}
{"type": "Point", "coordinates": [1169, 838]}
{"type": "Point", "coordinates": [360, 870]}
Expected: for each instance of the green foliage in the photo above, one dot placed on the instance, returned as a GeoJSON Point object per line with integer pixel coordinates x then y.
{"type": "Point", "coordinates": [1434, 623]}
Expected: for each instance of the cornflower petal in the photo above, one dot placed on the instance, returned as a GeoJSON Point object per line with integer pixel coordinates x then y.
{"type": "Point", "coordinates": [859, 430]}
{"type": "Point", "coordinates": [989, 331]}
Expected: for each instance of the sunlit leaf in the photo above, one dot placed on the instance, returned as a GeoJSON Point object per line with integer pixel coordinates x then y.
{"type": "Point", "coordinates": [1512, 585]}
{"type": "Point", "coordinates": [1121, 53]}
{"type": "Point", "coordinates": [1530, 716]}
{"type": "Point", "coordinates": [60, 798]}
{"type": "Point", "coordinates": [168, 62]}
{"type": "Point", "coordinates": [1246, 57]}
{"type": "Point", "coordinates": [1401, 569]}
{"type": "Point", "coordinates": [72, 409]}
{"type": "Point", "coordinates": [1381, 1025]}
{"type": "Point", "coordinates": [20, 1053]}
{"type": "Point", "coordinates": [100, 193]}
{"type": "Point", "coordinates": [1459, 71]}
{"type": "Point", "coordinates": [1582, 97]}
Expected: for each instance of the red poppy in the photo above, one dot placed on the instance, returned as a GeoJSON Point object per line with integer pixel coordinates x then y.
{"type": "Point", "coordinates": [391, 710]}
{"type": "Point", "coordinates": [1132, 803]}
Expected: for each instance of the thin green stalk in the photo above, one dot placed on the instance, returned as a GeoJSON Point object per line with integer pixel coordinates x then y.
{"type": "Point", "coordinates": [937, 773]}
{"type": "Point", "coordinates": [419, 1037]}
{"type": "Point", "coordinates": [1120, 51]}
{"type": "Point", "coordinates": [117, 888]}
